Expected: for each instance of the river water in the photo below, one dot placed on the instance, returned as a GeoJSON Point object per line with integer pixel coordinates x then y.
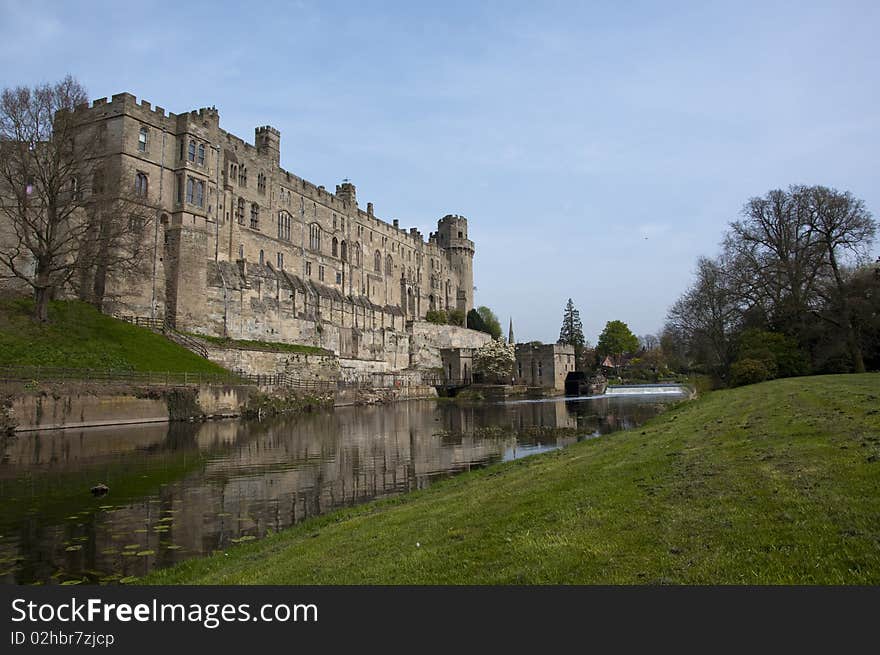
{"type": "Point", "coordinates": [183, 490]}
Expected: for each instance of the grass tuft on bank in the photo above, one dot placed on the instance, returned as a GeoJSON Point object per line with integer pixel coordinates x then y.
{"type": "Point", "coordinates": [79, 336]}
{"type": "Point", "coordinates": [774, 483]}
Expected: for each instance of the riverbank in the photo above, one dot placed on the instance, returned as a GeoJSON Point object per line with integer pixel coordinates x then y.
{"type": "Point", "coordinates": [767, 484]}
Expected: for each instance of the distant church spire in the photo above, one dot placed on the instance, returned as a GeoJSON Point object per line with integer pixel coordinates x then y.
{"type": "Point", "coordinates": [510, 333]}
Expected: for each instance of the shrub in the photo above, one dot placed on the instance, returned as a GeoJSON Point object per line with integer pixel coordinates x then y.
{"type": "Point", "coordinates": [749, 371]}
{"type": "Point", "coordinates": [456, 317]}
{"type": "Point", "coordinates": [436, 316]}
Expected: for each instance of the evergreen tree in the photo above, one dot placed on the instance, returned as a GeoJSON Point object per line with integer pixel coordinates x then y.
{"type": "Point", "coordinates": [475, 321]}
{"type": "Point", "coordinates": [572, 332]}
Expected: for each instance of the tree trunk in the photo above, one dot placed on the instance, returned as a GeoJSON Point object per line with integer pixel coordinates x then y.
{"type": "Point", "coordinates": [41, 304]}
{"type": "Point", "coordinates": [852, 341]}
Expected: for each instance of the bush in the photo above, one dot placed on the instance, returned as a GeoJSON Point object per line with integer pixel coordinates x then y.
{"type": "Point", "coordinates": [779, 352]}
{"type": "Point", "coordinates": [436, 316]}
{"type": "Point", "coordinates": [749, 371]}
{"type": "Point", "coordinates": [456, 317]}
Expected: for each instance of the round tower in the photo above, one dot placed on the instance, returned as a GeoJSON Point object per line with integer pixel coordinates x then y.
{"type": "Point", "coordinates": [452, 236]}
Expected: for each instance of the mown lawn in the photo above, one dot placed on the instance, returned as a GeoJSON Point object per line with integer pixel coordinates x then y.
{"type": "Point", "coordinates": [768, 484]}
{"type": "Point", "coordinates": [78, 336]}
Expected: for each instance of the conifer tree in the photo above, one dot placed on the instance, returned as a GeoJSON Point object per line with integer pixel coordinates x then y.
{"type": "Point", "coordinates": [572, 332]}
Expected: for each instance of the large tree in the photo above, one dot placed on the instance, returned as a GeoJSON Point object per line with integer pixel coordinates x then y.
{"type": "Point", "coordinates": [844, 230]}
{"type": "Point", "coordinates": [617, 340]}
{"type": "Point", "coordinates": [572, 332]}
{"type": "Point", "coordinates": [703, 321]}
{"type": "Point", "coordinates": [68, 217]}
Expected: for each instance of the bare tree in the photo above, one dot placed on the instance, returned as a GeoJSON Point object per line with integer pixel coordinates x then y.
{"type": "Point", "coordinates": [845, 230]}
{"type": "Point", "coordinates": [706, 316]}
{"type": "Point", "coordinates": [116, 245]}
{"type": "Point", "coordinates": [45, 170]}
{"type": "Point", "coordinates": [775, 259]}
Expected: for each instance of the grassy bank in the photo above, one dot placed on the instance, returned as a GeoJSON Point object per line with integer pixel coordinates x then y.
{"type": "Point", "coordinates": [772, 483]}
{"type": "Point", "coordinates": [78, 336]}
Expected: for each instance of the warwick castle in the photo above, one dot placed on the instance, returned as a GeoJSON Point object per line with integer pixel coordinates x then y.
{"type": "Point", "coordinates": [247, 250]}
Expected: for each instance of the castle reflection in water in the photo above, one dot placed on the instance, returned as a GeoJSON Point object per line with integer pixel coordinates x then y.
{"type": "Point", "coordinates": [184, 490]}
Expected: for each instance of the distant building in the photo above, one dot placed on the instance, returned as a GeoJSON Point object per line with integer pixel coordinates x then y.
{"type": "Point", "coordinates": [544, 365]}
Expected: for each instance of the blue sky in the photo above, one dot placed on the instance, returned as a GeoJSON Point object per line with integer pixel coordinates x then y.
{"type": "Point", "coordinates": [597, 148]}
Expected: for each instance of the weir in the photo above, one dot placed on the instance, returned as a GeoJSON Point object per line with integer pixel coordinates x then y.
{"type": "Point", "coordinates": [647, 390]}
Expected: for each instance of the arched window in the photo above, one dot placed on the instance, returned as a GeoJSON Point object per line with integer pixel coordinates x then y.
{"type": "Point", "coordinates": [377, 261]}
{"type": "Point", "coordinates": [140, 185]}
{"type": "Point", "coordinates": [190, 184]}
{"type": "Point", "coordinates": [200, 194]}
{"type": "Point", "coordinates": [192, 150]}
{"type": "Point", "coordinates": [239, 212]}
{"type": "Point", "coordinates": [315, 236]}
{"type": "Point", "coordinates": [343, 251]}
{"type": "Point", "coordinates": [261, 258]}
{"type": "Point", "coordinates": [142, 139]}
{"type": "Point", "coordinates": [284, 226]}
{"type": "Point", "coordinates": [357, 253]}
{"type": "Point", "coordinates": [255, 216]}
{"type": "Point", "coordinates": [389, 265]}
{"type": "Point", "coordinates": [201, 154]}
{"type": "Point", "coordinates": [335, 247]}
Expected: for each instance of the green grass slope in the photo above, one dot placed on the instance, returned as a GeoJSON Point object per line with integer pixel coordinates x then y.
{"type": "Point", "coordinates": [767, 484]}
{"type": "Point", "coordinates": [78, 336]}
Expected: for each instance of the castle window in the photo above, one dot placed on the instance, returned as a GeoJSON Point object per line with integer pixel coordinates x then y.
{"type": "Point", "coordinates": [262, 258]}
{"type": "Point", "coordinates": [315, 236]}
{"type": "Point", "coordinates": [335, 247]}
{"type": "Point", "coordinates": [377, 261]}
{"type": "Point", "coordinates": [280, 261]}
{"type": "Point", "coordinates": [389, 265]}
{"type": "Point", "coordinates": [343, 251]}
{"type": "Point", "coordinates": [142, 139]}
{"type": "Point", "coordinates": [334, 221]}
{"type": "Point", "coordinates": [261, 183]}
{"type": "Point", "coordinates": [200, 194]}
{"type": "Point", "coordinates": [241, 251]}
{"type": "Point", "coordinates": [242, 176]}
{"type": "Point", "coordinates": [339, 278]}
{"type": "Point", "coordinates": [233, 173]}
{"type": "Point", "coordinates": [321, 273]}
{"type": "Point", "coordinates": [460, 236]}
{"type": "Point", "coordinates": [201, 154]}
{"type": "Point", "coordinates": [342, 223]}
{"type": "Point", "coordinates": [357, 254]}
{"type": "Point", "coordinates": [182, 148]}
{"type": "Point", "coordinates": [140, 185]}
{"type": "Point", "coordinates": [239, 212]}
{"type": "Point", "coordinates": [284, 226]}
{"type": "Point", "coordinates": [192, 151]}
{"type": "Point", "coordinates": [309, 269]}
{"type": "Point", "coordinates": [255, 216]}
{"type": "Point", "coordinates": [180, 189]}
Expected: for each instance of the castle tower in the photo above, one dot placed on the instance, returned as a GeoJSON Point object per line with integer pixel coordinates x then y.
{"type": "Point", "coordinates": [453, 238]}
{"type": "Point", "coordinates": [347, 193]}
{"type": "Point", "coordinates": [268, 142]}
